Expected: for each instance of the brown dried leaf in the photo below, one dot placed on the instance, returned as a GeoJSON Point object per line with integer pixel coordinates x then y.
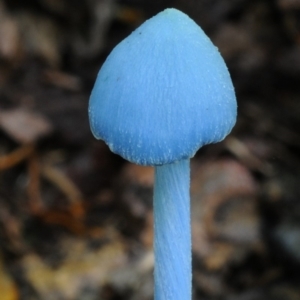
{"type": "Point", "coordinates": [41, 36]}
{"type": "Point", "coordinates": [62, 80]}
{"type": "Point", "coordinates": [83, 268]}
{"type": "Point", "coordinates": [224, 214]}
{"type": "Point", "coordinates": [24, 126]}
{"type": "Point", "coordinates": [7, 286]}
{"type": "Point", "coordinates": [10, 40]}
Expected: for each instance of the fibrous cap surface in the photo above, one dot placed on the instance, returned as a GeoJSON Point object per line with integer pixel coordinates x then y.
{"type": "Point", "coordinates": [163, 92]}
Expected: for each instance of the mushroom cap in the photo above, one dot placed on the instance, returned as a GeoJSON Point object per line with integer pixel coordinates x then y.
{"type": "Point", "coordinates": [163, 93]}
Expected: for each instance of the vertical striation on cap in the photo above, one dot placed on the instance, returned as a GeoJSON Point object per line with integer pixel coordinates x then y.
{"type": "Point", "coordinates": [163, 92]}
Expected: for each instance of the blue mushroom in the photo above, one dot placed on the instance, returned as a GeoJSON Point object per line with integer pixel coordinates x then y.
{"type": "Point", "coordinates": [161, 94]}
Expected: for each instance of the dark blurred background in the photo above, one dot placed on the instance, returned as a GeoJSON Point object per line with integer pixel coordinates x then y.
{"type": "Point", "coordinates": [76, 220]}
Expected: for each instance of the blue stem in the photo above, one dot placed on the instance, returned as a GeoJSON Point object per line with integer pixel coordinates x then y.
{"type": "Point", "coordinates": [172, 232]}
